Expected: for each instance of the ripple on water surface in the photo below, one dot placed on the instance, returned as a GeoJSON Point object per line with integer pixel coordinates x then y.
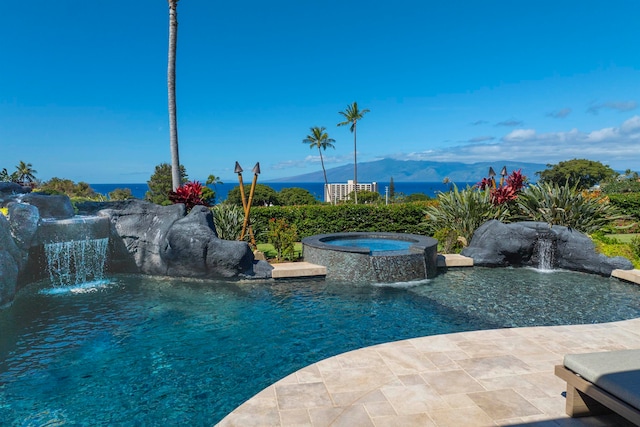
{"type": "Point", "coordinates": [147, 351]}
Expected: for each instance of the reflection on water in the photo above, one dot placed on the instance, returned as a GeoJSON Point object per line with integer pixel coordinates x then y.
{"type": "Point", "coordinates": [158, 351]}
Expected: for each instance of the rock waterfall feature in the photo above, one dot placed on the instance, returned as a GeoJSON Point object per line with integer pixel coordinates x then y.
{"type": "Point", "coordinates": [43, 237]}
{"type": "Point", "coordinates": [495, 244]}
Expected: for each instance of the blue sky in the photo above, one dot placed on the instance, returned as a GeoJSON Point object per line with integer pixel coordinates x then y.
{"type": "Point", "coordinates": [83, 84]}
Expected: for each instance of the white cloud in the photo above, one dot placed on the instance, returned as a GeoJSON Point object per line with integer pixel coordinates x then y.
{"type": "Point", "coordinates": [519, 135]}
{"type": "Point", "coordinates": [615, 146]}
{"type": "Point", "coordinates": [631, 126]}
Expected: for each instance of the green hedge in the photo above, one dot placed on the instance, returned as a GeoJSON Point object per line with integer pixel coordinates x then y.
{"type": "Point", "coordinates": [320, 219]}
{"type": "Point", "coordinates": [628, 203]}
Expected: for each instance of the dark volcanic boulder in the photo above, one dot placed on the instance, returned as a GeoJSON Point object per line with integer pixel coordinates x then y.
{"type": "Point", "coordinates": [194, 249]}
{"type": "Point", "coordinates": [24, 221]}
{"type": "Point", "coordinates": [161, 240]}
{"type": "Point", "coordinates": [50, 206]}
{"type": "Point", "coordinates": [495, 244]}
{"type": "Point", "coordinates": [139, 231]}
{"type": "Point", "coordinates": [10, 262]}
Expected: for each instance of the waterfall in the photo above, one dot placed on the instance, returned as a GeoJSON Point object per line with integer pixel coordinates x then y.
{"type": "Point", "coordinates": [546, 253]}
{"type": "Point", "coordinates": [77, 261]}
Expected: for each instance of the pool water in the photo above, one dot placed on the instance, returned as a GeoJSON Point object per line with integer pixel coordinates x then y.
{"type": "Point", "coordinates": [149, 351]}
{"type": "Point", "coordinates": [374, 245]}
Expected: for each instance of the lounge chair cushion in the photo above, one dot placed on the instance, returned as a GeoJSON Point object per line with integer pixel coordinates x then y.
{"type": "Point", "coordinates": [617, 372]}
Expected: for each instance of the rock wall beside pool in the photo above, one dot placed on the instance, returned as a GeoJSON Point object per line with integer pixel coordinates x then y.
{"type": "Point", "coordinates": [495, 244]}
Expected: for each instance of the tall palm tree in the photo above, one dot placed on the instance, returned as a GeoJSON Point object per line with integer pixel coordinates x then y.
{"type": "Point", "coordinates": [352, 114]}
{"type": "Point", "coordinates": [25, 173]}
{"type": "Point", "coordinates": [319, 138]}
{"type": "Point", "coordinates": [171, 85]}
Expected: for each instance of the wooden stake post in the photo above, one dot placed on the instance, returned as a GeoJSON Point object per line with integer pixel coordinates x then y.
{"type": "Point", "coordinates": [246, 205]}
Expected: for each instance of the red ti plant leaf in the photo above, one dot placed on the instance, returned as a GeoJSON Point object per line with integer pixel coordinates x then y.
{"type": "Point", "coordinates": [190, 194]}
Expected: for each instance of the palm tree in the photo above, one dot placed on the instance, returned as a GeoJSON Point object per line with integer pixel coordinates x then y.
{"type": "Point", "coordinates": [25, 173]}
{"type": "Point", "coordinates": [319, 138]}
{"type": "Point", "coordinates": [352, 114]}
{"type": "Point", "coordinates": [213, 180]}
{"type": "Point", "coordinates": [171, 84]}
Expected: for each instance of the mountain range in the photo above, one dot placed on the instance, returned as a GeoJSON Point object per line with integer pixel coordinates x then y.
{"type": "Point", "coordinates": [417, 171]}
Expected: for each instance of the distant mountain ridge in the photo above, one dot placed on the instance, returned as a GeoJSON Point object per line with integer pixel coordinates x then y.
{"type": "Point", "coordinates": [417, 171]}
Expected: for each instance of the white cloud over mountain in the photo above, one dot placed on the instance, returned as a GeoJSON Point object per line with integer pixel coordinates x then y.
{"type": "Point", "coordinates": [616, 146]}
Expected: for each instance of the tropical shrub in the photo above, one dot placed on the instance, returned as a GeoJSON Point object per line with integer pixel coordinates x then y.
{"type": "Point", "coordinates": [364, 196]}
{"type": "Point", "coordinates": [68, 187]}
{"type": "Point", "coordinates": [578, 173]}
{"type": "Point", "coordinates": [612, 247]}
{"type": "Point", "coordinates": [263, 195]}
{"type": "Point", "coordinates": [413, 197]}
{"type": "Point", "coordinates": [283, 238]}
{"type": "Point", "coordinates": [635, 246]}
{"type": "Point", "coordinates": [506, 192]}
{"type": "Point", "coordinates": [160, 184]}
{"type": "Point", "coordinates": [628, 203]}
{"type": "Point", "coordinates": [566, 205]}
{"type": "Point", "coordinates": [121, 194]}
{"type": "Point", "coordinates": [296, 196]}
{"type": "Point", "coordinates": [621, 186]}
{"type": "Point", "coordinates": [208, 196]}
{"type": "Point", "coordinates": [189, 194]}
{"type": "Point", "coordinates": [228, 220]}
{"type": "Point", "coordinates": [462, 212]}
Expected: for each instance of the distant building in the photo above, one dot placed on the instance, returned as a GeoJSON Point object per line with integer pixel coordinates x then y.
{"type": "Point", "coordinates": [339, 192]}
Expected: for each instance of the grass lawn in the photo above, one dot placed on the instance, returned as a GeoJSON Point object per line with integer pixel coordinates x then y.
{"type": "Point", "coordinates": [270, 252]}
{"type": "Point", "coordinates": [623, 238]}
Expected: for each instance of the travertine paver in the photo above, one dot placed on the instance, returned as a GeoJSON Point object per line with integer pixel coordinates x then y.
{"type": "Point", "coordinates": [501, 377]}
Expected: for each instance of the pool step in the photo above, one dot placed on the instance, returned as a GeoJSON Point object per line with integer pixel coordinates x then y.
{"type": "Point", "coordinates": [454, 260]}
{"type": "Point", "coordinates": [285, 270]}
{"type": "Point", "coordinates": [632, 276]}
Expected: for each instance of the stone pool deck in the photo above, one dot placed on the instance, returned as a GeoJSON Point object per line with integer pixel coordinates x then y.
{"type": "Point", "coordinates": [501, 377]}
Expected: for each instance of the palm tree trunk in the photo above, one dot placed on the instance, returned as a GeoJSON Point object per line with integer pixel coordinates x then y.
{"type": "Point", "coordinates": [355, 164]}
{"type": "Point", "coordinates": [171, 84]}
{"type": "Point", "coordinates": [326, 182]}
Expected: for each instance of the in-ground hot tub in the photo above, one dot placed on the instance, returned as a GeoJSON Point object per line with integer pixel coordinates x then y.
{"type": "Point", "coordinates": [373, 257]}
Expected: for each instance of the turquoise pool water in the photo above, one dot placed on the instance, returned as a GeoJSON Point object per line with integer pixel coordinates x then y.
{"type": "Point", "coordinates": [374, 245]}
{"type": "Point", "coordinates": [148, 351]}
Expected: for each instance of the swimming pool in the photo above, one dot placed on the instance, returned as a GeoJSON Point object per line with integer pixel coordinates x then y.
{"type": "Point", "coordinates": [374, 245]}
{"type": "Point", "coordinates": [142, 350]}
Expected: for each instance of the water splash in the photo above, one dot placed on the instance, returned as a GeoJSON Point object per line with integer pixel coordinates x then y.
{"type": "Point", "coordinates": [546, 254]}
{"type": "Point", "coordinates": [77, 261]}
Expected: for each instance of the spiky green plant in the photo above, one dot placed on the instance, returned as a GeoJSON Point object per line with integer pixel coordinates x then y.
{"type": "Point", "coordinates": [566, 205]}
{"type": "Point", "coordinates": [228, 220]}
{"type": "Point", "coordinates": [464, 211]}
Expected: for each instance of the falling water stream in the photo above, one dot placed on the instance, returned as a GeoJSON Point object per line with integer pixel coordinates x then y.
{"type": "Point", "coordinates": [77, 261]}
{"type": "Point", "coordinates": [546, 254]}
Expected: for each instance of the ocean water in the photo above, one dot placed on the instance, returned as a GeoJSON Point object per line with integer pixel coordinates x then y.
{"type": "Point", "coordinates": [316, 188]}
